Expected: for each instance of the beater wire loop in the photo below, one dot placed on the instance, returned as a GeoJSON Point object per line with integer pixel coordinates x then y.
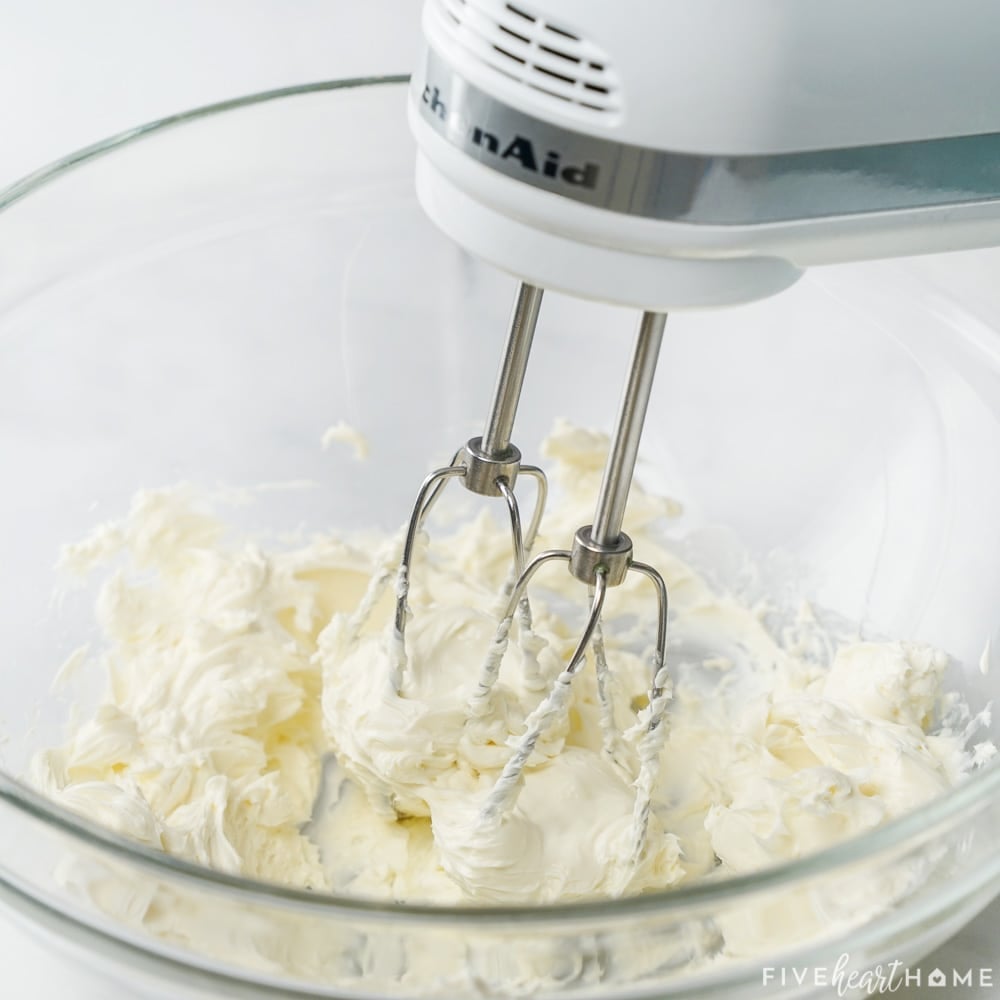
{"type": "Point", "coordinates": [503, 796]}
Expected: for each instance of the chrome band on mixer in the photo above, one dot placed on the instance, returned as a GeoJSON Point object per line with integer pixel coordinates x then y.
{"type": "Point", "coordinates": [705, 190]}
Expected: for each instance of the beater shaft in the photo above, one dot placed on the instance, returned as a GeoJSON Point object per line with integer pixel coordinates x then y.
{"type": "Point", "coordinates": [603, 546]}
{"type": "Point", "coordinates": [507, 394]}
{"type": "Point", "coordinates": [628, 432]}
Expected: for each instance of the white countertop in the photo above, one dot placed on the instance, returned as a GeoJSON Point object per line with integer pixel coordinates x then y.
{"type": "Point", "coordinates": [72, 73]}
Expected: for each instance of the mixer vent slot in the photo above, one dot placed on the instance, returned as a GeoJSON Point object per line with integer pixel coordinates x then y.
{"type": "Point", "coordinates": [547, 57]}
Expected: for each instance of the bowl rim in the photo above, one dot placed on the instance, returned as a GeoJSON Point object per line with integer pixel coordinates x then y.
{"type": "Point", "coordinates": [918, 824]}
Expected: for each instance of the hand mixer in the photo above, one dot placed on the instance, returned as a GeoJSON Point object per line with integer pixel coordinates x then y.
{"type": "Point", "coordinates": [680, 154]}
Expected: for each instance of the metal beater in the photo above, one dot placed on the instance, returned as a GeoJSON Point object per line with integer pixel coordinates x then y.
{"type": "Point", "coordinates": [488, 465]}
{"type": "Point", "coordinates": [600, 556]}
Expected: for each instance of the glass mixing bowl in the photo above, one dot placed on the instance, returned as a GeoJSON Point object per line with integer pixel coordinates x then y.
{"type": "Point", "coordinates": [200, 298]}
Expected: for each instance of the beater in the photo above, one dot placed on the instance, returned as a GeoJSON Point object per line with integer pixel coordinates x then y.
{"type": "Point", "coordinates": [668, 155]}
{"type": "Point", "coordinates": [488, 465]}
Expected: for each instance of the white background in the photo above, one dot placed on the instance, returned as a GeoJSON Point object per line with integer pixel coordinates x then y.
{"type": "Point", "coordinates": [75, 71]}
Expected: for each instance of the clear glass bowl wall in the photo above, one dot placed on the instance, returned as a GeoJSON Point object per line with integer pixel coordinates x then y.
{"type": "Point", "coordinates": [200, 300]}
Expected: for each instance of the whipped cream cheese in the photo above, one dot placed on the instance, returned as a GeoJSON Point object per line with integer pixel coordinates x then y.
{"type": "Point", "coordinates": [254, 719]}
